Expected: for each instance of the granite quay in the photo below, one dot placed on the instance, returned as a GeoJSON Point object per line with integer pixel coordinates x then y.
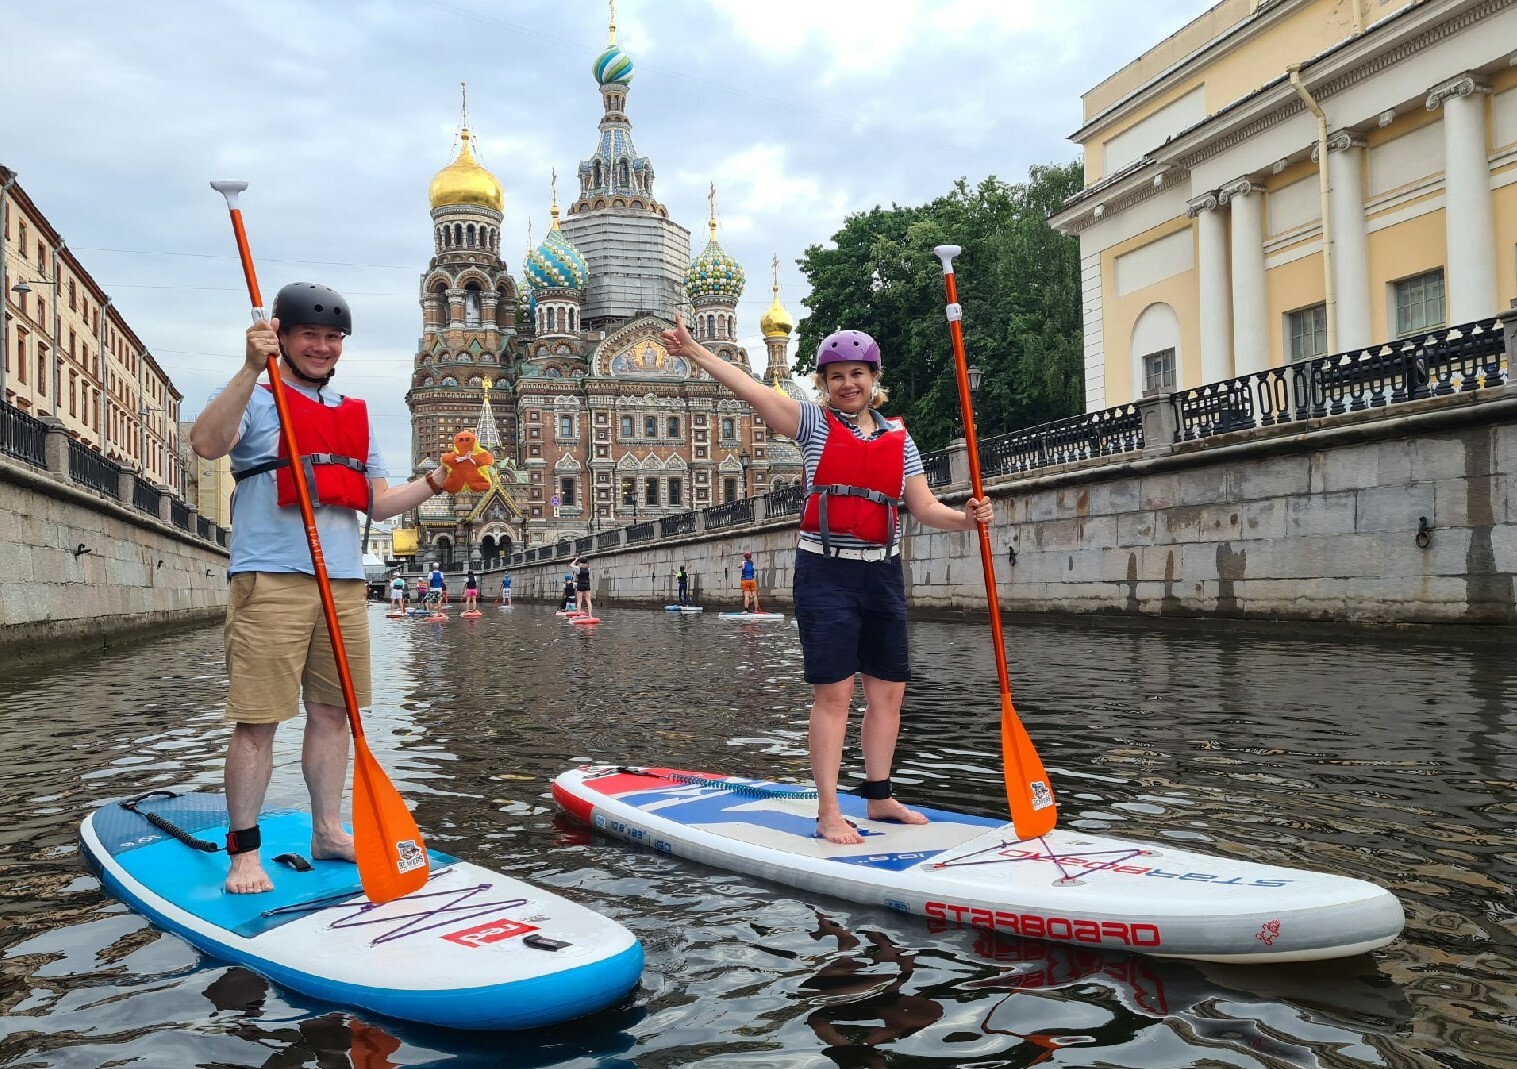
{"type": "Point", "coordinates": [95, 551]}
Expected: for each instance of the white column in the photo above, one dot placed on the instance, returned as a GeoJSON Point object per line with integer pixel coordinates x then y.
{"type": "Point", "coordinates": [1351, 274]}
{"type": "Point", "coordinates": [1250, 301]}
{"type": "Point", "coordinates": [1469, 227]}
{"type": "Point", "coordinates": [1212, 287]}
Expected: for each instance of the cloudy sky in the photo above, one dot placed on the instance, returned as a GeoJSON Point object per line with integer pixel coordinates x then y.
{"type": "Point", "coordinates": [339, 112]}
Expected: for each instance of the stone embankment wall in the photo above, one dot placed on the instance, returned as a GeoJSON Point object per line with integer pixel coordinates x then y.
{"type": "Point", "coordinates": [77, 569]}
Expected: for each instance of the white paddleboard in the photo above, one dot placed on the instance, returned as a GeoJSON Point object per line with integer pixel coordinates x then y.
{"type": "Point", "coordinates": [753, 617]}
{"type": "Point", "coordinates": [683, 608]}
{"type": "Point", "coordinates": [1066, 887]}
{"type": "Point", "coordinates": [472, 949]}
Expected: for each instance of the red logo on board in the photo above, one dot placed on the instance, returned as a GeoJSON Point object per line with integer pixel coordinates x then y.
{"type": "Point", "coordinates": [490, 932]}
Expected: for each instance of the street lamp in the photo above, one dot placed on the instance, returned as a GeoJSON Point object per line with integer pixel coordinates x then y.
{"type": "Point", "coordinates": [974, 374]}
{"type": "Point", "coordinates": [744, 458]}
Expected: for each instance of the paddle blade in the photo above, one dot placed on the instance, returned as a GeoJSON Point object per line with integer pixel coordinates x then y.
{"type": "Point", "coordinates": [392, 859]}
{"type": "Point", "coordinates": [1033, 812]}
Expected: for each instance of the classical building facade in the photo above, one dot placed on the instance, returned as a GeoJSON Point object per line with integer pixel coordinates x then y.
{"type": "Point", "coordinates": [1283, 179]}
{"type": "Point", "coordinates": [562, 376]}
{"type": "Point", "coordinates": [70, 354]}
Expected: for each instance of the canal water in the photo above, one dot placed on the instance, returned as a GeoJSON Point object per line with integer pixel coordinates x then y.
{"type": "Point", "coordinates": [1390, 757]}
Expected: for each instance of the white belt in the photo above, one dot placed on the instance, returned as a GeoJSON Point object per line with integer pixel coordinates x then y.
{"type": "Point", "coordinates": [861, 553]}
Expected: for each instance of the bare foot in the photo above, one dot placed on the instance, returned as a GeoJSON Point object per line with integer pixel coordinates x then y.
{"type": "Point", "coordinates": [891, 809]}
{"type": "Point", "coordinates": [836, 829]}
{"type": "Point", "coordinates": [246, 876]}
{"type": "Point", "coordinates": [333, 847]}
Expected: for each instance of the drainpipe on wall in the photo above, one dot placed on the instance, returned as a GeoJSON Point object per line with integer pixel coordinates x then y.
{"type": "Point", "coordinates": [4, 289]}
{"type": "Point", "coordinates": [1358, 16]}
{"type": "Point", "coordinates": [1325, 184]}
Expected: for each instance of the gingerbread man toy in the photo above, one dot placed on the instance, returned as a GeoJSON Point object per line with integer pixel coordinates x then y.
{"type": "Point", "coordinates": [467, 465]}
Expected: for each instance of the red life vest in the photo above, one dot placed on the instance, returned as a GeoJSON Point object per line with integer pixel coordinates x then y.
{"type": "Point", "coordinates": [334, 446]}
{"type": "Point", "coordinates": [857, 484]}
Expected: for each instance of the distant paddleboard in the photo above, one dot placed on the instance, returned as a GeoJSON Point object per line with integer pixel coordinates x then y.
{"type": "Point", "coordinates": [470, 614]}
{"type": "Point", "coordinates": [683, 608]}
{"type": "Point", "coordinates": [1065, 887]}
{"type": "Point", "coordinates": [472, 949]}
{"type": "Point", "coordinates": [753, 617]}
{"type": "Point", "coordinates": [584, 621]}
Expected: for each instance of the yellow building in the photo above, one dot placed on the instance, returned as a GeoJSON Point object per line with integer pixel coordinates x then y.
{"type": "Point", "coordinates": [1283, 179]}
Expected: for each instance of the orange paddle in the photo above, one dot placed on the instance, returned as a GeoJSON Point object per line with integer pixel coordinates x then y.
{"type": "Point", "coordinates": [1028, 792]}
{"type": "Point", "coordinates": [392, 859]}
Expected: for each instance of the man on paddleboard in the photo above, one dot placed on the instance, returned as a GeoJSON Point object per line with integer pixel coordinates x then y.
{"type": "Point", "coordinates": [748, 580]}
{"type": "Point", "coordinates": [277, 648]}
{"type": "Point", "coordinates": [850, 597]}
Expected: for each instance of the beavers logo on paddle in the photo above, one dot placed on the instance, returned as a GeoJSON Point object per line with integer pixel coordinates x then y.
{"type": "Point", "coordinates": [1269, 933]}
{"type": "Point", "coordinates": [409, 856]}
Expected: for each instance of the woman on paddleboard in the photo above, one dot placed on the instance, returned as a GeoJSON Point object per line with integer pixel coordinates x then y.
{"type": "Point", "coordinates": [849, 594]}
{"type": "Point", "coordinates": [471, 593]}
{"type": "Point", "coordinates": [581, 568]}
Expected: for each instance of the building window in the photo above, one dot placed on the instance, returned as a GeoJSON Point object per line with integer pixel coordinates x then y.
{"type": "Point", "coordinates": [1159, 373]}
{"type": "Point", "coordinates": [729, 489]}
{"type": "Point", "coordinates": [650, 426]}
{"type": "Point", "coordinates": [729, 428]}
{"type": "Point", "coordinates": [566, 491]}
{"type": "Point", "coordinates": [673, 425]}
{"type": "Point", "coordinates": [650, 491]}
{"type": "Point", "coordinates": [1307, 328]}
{"type": "Point", "coordinates": [627, 427]}
{"type": "Point", "coordinates": [629, 491]}
{"type": "Point", "coordinates": [676, 492]}
{"type": "Point", "coordinates": [566, 426]}
{"type": "Point", "coordinates": [1419, 303]}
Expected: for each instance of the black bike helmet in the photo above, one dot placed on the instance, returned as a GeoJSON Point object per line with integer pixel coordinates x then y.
{"type": "Point", "coordinates": [312, 304]}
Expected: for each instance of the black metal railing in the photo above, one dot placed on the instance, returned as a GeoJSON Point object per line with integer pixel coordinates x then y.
{"type": "Point", "coordinates": [1449, 360]}
{"type": "Point", "coordinates": [681, 524]}
{"type": "Point", "coordinates": [729, 515]}
{"type": "Point", "coordinates": [608, 539]}
{"type": "Point", "coordinates": [641, 532]}
{"type": "Point", "coordinates": [936, 467]}
{"type": "Point", "coordinates": [179, 514]}
{"type": "Point", "coordinates": [146, 497]}
{"type": "Point", "coordinates": [203, 527]}
{"type": "Point", "coordinates": [1095, 434]}
{"type": "Point", "coordinates": [786, 501]}
{"type": "Point", "coordinates": [23, 437]}
{"type": "Point", "coordinates": [88, 468]}
{"type": "Point", "coordinates": [584, 545]}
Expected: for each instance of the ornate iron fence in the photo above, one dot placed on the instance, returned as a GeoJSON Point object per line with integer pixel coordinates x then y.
{"type": "Point", "coordinates": [681, 524]}
{"type": "Point", "coordinates": [729, 515]}
{"type": "Point", "coordinates": [146, 497]}
{"type": "Point", "coordinates": [1095, 434]}
{"type": "Point", "coordinates": [641, 532]}
{"type": "Point", "coordinates": [179, 514]}
{"type": "Point", "coordinates": [23, 437]}
{"type": "Point", "coordinates": [88, 468]}
{"type": "Point", "coordinates": [786, 501]}
{"type": "Point", "coordinates": [937, 468]}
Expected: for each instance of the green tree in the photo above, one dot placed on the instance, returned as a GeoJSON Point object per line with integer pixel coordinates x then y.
{"type": "Point", "coordinates": [1019, 285]}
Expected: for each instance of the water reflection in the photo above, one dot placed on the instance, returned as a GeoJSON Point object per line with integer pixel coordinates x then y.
{"type": "Point", "coordinates": [1387, 757]}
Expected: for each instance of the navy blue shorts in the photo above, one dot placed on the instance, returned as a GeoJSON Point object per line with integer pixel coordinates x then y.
{"type": "Point", "coordinates": [852, 618]}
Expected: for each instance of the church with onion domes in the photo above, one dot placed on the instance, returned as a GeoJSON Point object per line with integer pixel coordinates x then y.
{"type": "Point", "coordinates": [561, 373]}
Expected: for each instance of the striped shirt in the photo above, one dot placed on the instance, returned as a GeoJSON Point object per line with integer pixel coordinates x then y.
{"type": "Point", "coordinates": [812, 436]}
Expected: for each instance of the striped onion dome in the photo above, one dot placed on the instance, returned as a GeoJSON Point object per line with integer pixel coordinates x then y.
{"type": "Point", "coordinates": [713, 274]}
{"type": "Point", "coordinates": [613, 67]}
{"type": "Point", "coordinates": [556, 263]}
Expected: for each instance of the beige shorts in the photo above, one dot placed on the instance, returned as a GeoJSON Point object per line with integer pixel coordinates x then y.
{"type": "Point", "coordinates": [278, 650]}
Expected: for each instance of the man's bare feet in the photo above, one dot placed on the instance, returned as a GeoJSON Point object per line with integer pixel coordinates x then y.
{"type": "Point", "coordinates": [835, 828]}
{"type": "Point", "coordinates": [891, 809]}
{"type": "Point", "coordinates": [246, 876]}
{"type": "Point", "coordinates": [333, 847]}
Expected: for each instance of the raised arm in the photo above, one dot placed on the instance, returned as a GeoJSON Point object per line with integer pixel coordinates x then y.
{"type": "Point", "coordinates": [780, 411]}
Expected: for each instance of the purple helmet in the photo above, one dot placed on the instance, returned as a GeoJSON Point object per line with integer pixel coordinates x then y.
{"type": "Point", "coordinates": [848, 345]}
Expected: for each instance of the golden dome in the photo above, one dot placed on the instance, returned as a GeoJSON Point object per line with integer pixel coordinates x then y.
{"type": "Point", "coordinates": [776, 322]}
{"type": "Point", "coordinates": [464, 181]}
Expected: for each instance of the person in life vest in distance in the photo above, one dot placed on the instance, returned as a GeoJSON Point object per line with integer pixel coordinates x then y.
{"type": "Point", "coordinates": [748, 580]}
{"type": "Point", "coordinates": [570, 595]}
{"type": "Point", "coordinates": [849, 593]}
{"type": "Point", "coordinates": [471, 593]}
{"type": "Point", "coordinates": [683, 579]}
{"type": "Point", "coordinates": [278, 653]}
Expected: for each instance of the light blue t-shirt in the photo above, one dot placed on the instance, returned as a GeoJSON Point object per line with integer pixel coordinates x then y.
{"type": "Point", "coordinates": [268, 538]}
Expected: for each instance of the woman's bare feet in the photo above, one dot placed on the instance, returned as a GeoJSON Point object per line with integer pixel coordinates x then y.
{"type": "Point", "coordinates": [246, 876]}
{"type": "Point", "coordinates": [836, 828]}
{"type": "Point", "coordinates": [892, 809]}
